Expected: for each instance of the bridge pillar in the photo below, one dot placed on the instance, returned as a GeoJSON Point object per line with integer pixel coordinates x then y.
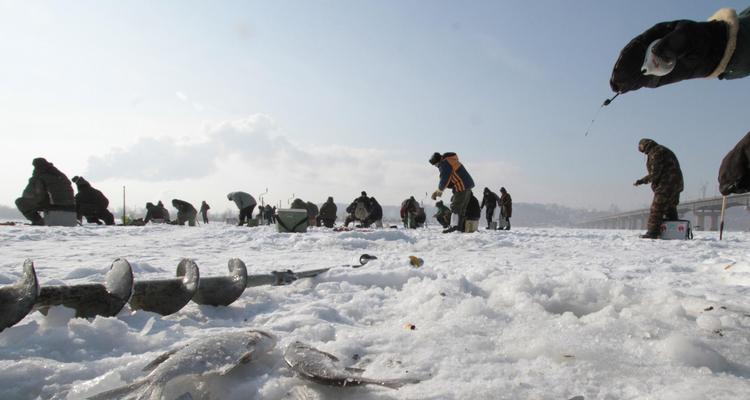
{"type": "Point", "coordinates": [714, 221]}
{"type": "Point", "coordinates": [700, 222]}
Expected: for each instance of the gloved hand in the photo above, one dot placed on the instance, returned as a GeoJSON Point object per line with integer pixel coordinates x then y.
{"type": "Point", "coordinates": [638, 182]}
{"type": "Point", "coordinates": [437, 194]}
{"type": "Point", "coordinates": [698, 48]}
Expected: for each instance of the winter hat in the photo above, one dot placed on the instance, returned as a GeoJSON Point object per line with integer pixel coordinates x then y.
{"type": "Point", "coordinates": [364, 193]}
{"type": "Point", "coordinates": [435, 158]}
{"type": "Point", "coordinates": [502, 189]}
{"type": "Point", "coordinates": [229, 196]}
{"type": "Point", "coordinates": [645, 144]}
{"type": "Point", "coordinates": [75, 179]}
{"type": "Point", "coordinates": [330, 199]}
{"type": "Point", "coordinates": [40, 162]}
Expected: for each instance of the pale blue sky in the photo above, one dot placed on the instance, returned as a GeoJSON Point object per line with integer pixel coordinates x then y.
{"type": "Point", "coordinates": [195, 99]}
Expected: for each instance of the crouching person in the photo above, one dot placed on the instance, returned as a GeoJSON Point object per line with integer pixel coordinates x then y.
{"type": "Point", "coordinates": [185, 212]}
{"type": "Point", "coordinates": [91, 203]}
{"type": "Point", "coordinates": [327, 214]}
{"type": "Point", "coordinates": [48, 189]}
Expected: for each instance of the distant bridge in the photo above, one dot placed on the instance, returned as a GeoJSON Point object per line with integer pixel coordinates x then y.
{"type": "Point", "coordinates": [709, 207]}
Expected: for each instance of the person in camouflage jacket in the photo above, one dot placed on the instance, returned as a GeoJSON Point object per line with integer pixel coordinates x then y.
{"type": "Point", "coordinates": [665, 177]}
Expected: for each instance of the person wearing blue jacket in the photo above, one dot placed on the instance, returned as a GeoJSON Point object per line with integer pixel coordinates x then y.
{"type": "Point", "coordinates": [453, 175]}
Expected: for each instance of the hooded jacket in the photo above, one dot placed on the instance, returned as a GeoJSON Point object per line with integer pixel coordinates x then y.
{"type": "Point", "coordinates": [242, 199]}
{"type": "Point", "coordinates": [453, 174]}
{"type": "Point", "coordinates": [88, 199]}
{"type": "Point", "coordinates": [49, 187]}
{"type": "Point", "coordinates": [489, 199]}
{"type": "Point", "coordinates": [664, 171]}
{"type": "Point", "coordinates": [328, 210]}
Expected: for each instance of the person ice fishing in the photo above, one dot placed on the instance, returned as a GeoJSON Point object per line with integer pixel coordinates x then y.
{"type": "Point", "coordinates": [453, 175]}
{"type": "Point", "coordinates": [186, 212]}
{"type": "Point", "coordinates": [409, 210]}
{"type": "Point", "coordinates": [268, 211]}
{"type": "Point", "coordinates": [155, 214]}
{"type": "Point", "coordinates": [506, 207]}
{"type": "Point", "coordinates": [91, 203]}
{"type": "Point", "coordinates": [245, 202]}
{"type": "Point", "coordinates": [443, 214]}
{"type": "Point", "coordinates": [665, 177]}
{"type": "Point", "coordinates": [489, 200]}
{"type": "Point", "coordinates": [473, 214]}
{"type": "Point", "coordinates": [48, 189]}
{"type": "Point", "coordinates": [358, 210]}
{"type": "Point", "coordinates": [718, 48]}
{"type": "Point", "coordinates": [204, 211]}
{"type": "Point", "coordinates": [327, 215]}
{"type": "Point", "coordinates": [374, 215]}
{"type": "Point", "coordinates": [734, 173]}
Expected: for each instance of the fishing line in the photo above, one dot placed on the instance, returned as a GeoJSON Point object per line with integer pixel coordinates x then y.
{"type": "Point", "coordinates": [606, 103]}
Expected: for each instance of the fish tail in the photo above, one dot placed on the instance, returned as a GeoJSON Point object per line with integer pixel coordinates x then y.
{"type": "Point", "coordinates": [391, 383]}
{"type": "Point", "coordinates": [120, 392]}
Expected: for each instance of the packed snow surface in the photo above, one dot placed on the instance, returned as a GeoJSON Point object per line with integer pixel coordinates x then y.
{"type": "Point", "coordinates": [525, 314]}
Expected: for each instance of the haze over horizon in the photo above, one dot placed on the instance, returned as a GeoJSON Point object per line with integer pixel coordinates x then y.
{"type": "Point", "coordinates": [191, 100]}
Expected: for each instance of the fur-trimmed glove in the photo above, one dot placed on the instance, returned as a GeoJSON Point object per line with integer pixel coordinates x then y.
{"type": "Point", "coordinates": [698, 48]}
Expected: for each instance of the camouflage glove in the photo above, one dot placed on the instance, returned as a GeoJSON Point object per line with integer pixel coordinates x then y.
{"type": "Point", "coordinates": [437, 194]}
{"type": "Point", "coordinates": [698, 48]}
{"type": "Point", "coordinates": [639, 182]}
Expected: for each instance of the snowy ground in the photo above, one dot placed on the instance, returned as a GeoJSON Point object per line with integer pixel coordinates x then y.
{"type": "Point", "coordinates": [525, 314]}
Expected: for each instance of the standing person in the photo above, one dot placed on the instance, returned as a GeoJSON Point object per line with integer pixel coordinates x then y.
{"type": "Point", "coordinates": [489, 200]}
{"type": "Point", "coordinates": [48, 189]}
{"type": "Point", "coordinates": [204, 211]}
{"type": "Point", "coordinates": [268, 212]}
{"type": "Point", "coordinates": [245, 202]}
{"type": "Point", "coordinates": [327, 214]}
{"type": "Point", "coordinates": [453, 175]}
{"type": "Point", "coordinates": [185, 212]}
{"type": "Point", "coordinates": [506, 207]}
{"type": "Point", "coordinates": [665, 177]}
{"type": "Point", "coordinates": [91, 203]}
{"type": "Point", "coordinates": [443, 214]}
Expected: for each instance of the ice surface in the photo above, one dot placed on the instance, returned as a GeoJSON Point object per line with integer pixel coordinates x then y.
{"type": "Point", "coordinates": [524, 314]}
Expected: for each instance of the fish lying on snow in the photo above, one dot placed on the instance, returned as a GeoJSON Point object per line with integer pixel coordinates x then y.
{"type": "Point", "coordinates": [214, 354]}
{"type": "Point", "coordinates": [321, 367]}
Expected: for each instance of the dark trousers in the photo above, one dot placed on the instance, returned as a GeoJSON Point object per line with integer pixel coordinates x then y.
{"type": "Point", "coordinates": [489, 212]}
{"type": "Point", "coordinates": [30, 209]}
{"type": "Point", "coordinates": [459, 204]}
{"type": "Point", "coordinates": [98, 216]}
{"type": "Point", "coordinates": [205, 217]}
{"type": "Point", "coordinates": [246, 212]}
{"type": "Point", "coordinates": [188, 217]}
{"type": "Point", "coordinates": [664, 206]}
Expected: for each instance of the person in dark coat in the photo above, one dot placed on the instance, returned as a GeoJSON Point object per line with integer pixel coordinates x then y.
{"type": "Point", "coordinates": [245, 202]}
{"type": "Point", "coordinates": [327, 214]}
{"type": "Point", "coordinates": [268, 211]}
{"type": "Point", "coordinates": [48, 189]}
{"type": "Point", "coordinates": [489, 200]}
{"type": "Point", "coordinates": [164, 211]}
{"type": "Point", "coordinates": [312, 213]}
{"type": "Point", "coordinates": [155, 214]}
{"type": "Point", "coordinates": [185, 212]}
{"type": "Point", "coordinates": [453, 175]}
{"type": "Point", "coordinates": [409, 210]}
{"type": "Point", "coordinates": [665, 177]}
{"type": "Point", "coordinates": [443, 214]}
{"type": "Point", "coordinates": [506, 207]}
{"type": "Point", "coordinates": [204, 211]}
{"type": "Point", "coordinates": [374, 215]}
{"type": "Point", "coordinates": [358, 210]}
{"type": "Point", "coordinates": [91, 203]}
{"type": "Point", "coordinates": [473, 214]}
{"type": "Point", "coordinates": [734, 173]}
